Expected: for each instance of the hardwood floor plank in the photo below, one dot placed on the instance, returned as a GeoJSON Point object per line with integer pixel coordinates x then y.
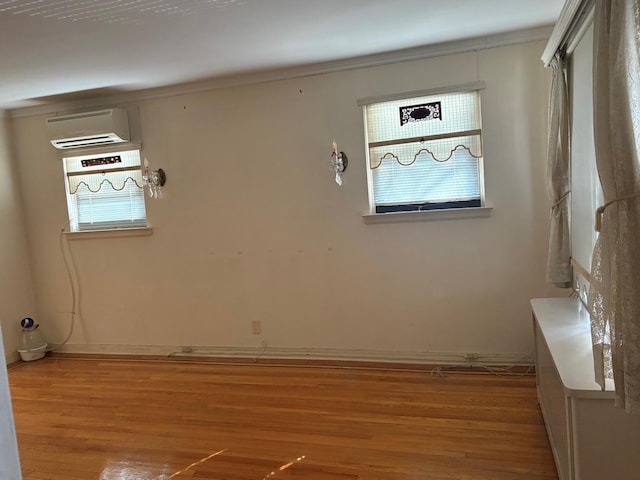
{"type": "Point", "coordinates": [150, 420]}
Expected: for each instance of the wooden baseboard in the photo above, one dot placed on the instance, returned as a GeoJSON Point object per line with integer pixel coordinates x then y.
{"type": "Point", "coordinates": [435, 369]}
{"type": "Point", "coordinates": [268, 352]}
{"type": "Point", "coordinates": [442, 361]}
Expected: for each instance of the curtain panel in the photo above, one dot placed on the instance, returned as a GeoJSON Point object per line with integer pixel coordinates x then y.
{"type": "Point", "coordinates": [614, 295]}
{"type": "Point", "coordinates": [559, 179]}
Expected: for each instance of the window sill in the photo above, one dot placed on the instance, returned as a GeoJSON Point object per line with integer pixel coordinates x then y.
{"type": "Point", "coordinates": [116, 233]}
{"type": "Point", "coordinates": [426, 215]}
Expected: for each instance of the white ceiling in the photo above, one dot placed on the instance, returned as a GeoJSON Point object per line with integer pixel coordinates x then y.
{"type": "Point", "coordinates": [52, 50]}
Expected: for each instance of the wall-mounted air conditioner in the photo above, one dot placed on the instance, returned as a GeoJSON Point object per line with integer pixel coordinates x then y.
{"type": "Point", "coordinates": [89, 129]}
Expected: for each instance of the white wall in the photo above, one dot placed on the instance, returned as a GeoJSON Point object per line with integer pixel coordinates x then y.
{"type": "Point", "coordinates": [16, 292]}
{"type": "Point", "coordinates": [254, 228]}
{"type": "Point", "coordinates": [16, 296]}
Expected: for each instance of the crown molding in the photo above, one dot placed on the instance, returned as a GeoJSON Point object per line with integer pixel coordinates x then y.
{"type": "Point", "coordinates": [387, 58]}
{"type": "Point", "coordinates": [573, 15]}
{"type": "Point", "coordinates": [465, 87]}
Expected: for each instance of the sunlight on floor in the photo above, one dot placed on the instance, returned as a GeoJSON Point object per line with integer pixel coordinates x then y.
{"type": "Point", "coordinates": [194, 464]}
{"type": "Point", "coordinates": [128, 471]}
{"type": "Point", "coordinates": [284, 467]}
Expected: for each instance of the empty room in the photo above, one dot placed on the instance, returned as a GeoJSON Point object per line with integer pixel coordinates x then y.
{"type": "Point", "coordinates": [322, 240]}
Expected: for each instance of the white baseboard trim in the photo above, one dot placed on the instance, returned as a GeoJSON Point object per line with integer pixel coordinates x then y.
{"type": "Point", "coordinates": [327, 354]}
{"type": "Point", "coordinates": [12, 358]}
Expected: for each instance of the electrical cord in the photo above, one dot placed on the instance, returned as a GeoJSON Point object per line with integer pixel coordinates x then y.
{"type": "Point", "coordinates": [68, 263]}
{"type": "Point", "coordinates": [440, 371]}
{"type": "Point", "coordinates": [187, 351]}
{"type": "Point", "coordinates": [264, 349]}
{"type": "Point", "coordinates": [506, 371]}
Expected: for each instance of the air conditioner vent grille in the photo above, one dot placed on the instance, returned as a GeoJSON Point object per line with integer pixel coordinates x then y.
{"type": "Point", "coordinates": [89, 129]}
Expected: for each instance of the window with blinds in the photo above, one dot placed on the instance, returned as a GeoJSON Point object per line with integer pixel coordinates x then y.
{"type": "Point", "coordinates": [105, 191]}
{"type": "Point", "coordinates": [425, 152]}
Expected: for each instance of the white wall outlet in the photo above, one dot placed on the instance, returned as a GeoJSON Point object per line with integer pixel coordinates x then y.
{"type": "Point", "coordinates": [256, 327]}
{"type": "Point", "coordinates": [471, 356]}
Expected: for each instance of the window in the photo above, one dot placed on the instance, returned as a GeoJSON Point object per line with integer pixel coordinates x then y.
{"type": "Point", "coordinates": [105, 191]}
{"type": "Point", "coordinates": [425, 151]}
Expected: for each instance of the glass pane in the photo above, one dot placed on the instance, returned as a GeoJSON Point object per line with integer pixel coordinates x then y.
{"type": "Point", "coordinates": [458, 112]}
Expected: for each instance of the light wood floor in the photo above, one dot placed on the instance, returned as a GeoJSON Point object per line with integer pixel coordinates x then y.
{"type": "Point", "coordinates": [142, 420]}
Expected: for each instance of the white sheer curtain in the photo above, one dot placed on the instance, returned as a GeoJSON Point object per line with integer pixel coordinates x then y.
{"type": "Point", "coordinates": [558, 179]}
{"type": "Point", "coordinates": [614, 296]}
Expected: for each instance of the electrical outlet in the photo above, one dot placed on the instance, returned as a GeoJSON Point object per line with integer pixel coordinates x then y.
{"type": "Point", "coordinates": [256, 327]}
{"type": "Point", "coordinates": [471, 356]}
{"type": "Point", "coordinates": [187, 349]}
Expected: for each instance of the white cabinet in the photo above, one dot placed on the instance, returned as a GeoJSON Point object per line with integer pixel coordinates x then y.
{"type": "Point", "coordinates": [590, 438]}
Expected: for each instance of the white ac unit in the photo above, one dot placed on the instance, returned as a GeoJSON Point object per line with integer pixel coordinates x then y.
{"type": "Point", "coordinates": [89, 129]}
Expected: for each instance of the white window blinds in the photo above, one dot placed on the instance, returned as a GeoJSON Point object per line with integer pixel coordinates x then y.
{"type": "Point", "coordinates": [425, 152]}
{"type": "Point", "coordinates": [105, 191]}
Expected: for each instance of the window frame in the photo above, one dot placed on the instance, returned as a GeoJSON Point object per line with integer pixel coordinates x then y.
{"type": "Point", "coordinates": [441, 210]}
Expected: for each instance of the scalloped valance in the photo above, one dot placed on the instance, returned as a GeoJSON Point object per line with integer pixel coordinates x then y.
{"type": "Point", "coordinates": [440, 150]}
{"type": "Point", "coordinates": [91, 173]}
{"type": "Point", "coordinates": [94, 181]}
